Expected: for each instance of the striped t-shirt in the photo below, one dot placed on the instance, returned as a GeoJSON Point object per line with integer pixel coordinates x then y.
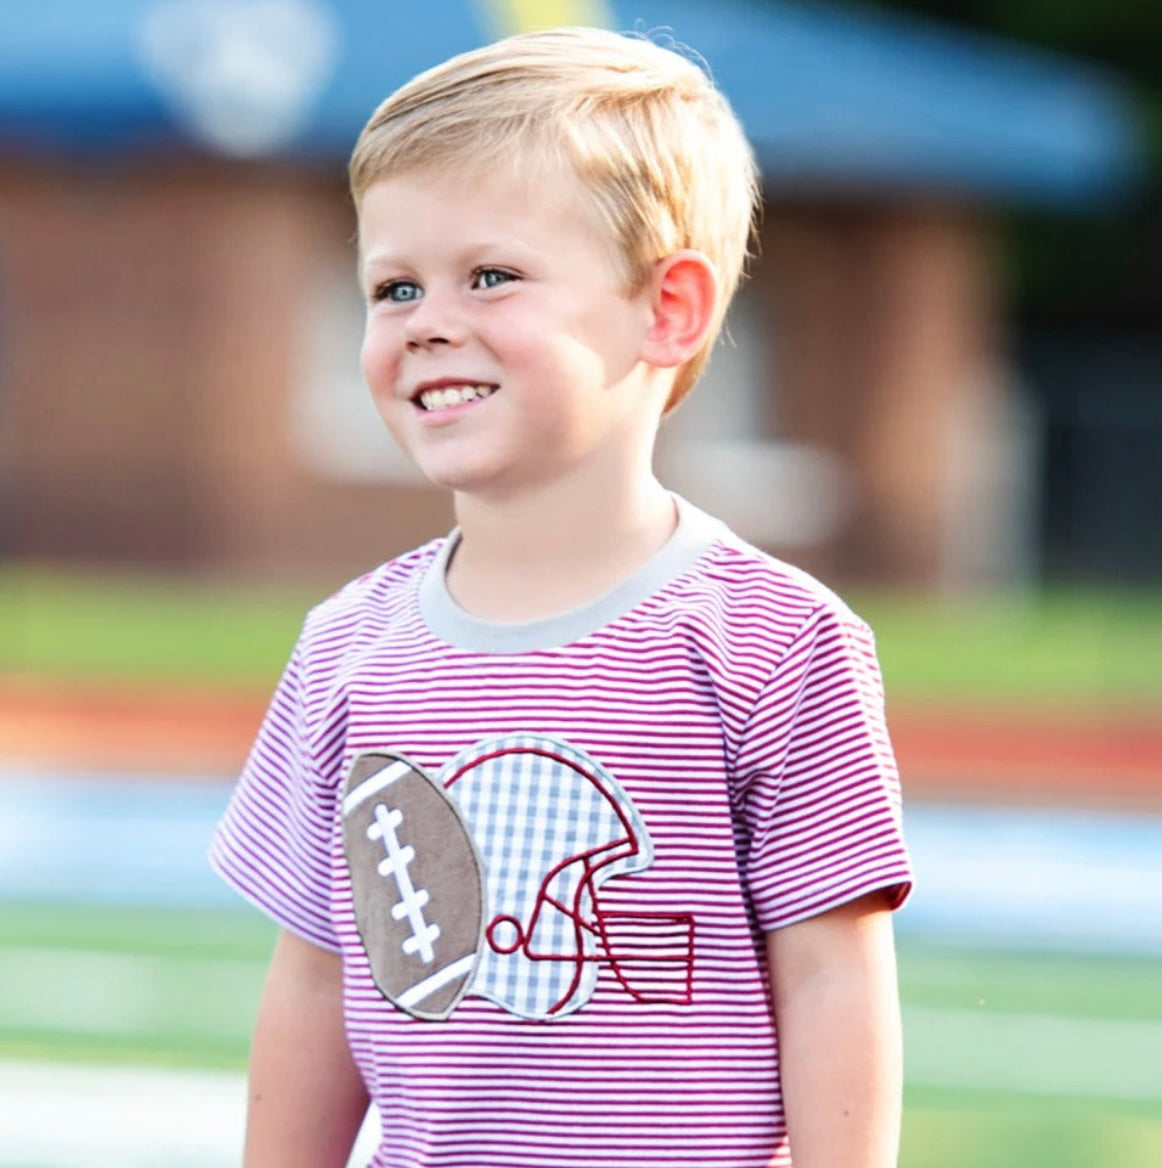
{"type": "Point", "coordinates": [548, 852]}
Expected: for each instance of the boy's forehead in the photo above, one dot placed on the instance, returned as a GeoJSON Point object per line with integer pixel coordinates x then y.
{"type": "Point", "coordinates": [400, 215]}
{"type": "Point", "coordinates": [474, 207]}
{"type": "Point", "coordinates": [472, 183]}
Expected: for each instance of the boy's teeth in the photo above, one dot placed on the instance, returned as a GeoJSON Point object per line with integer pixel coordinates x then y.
{"type": "Point", "coordinates": [453, 395]}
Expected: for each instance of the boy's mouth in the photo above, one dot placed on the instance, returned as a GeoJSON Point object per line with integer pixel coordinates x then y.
{"type": "Point", "coordinates": [444, 397]}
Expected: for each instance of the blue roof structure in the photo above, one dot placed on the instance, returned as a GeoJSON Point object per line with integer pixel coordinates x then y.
{"type": "Point", "coordinates": [834, 99]}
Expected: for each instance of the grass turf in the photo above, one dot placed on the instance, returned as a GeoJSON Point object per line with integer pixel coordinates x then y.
{"type": "Point", "coordinates": [178, 988]}
{"type": "Point", "coordinates": [1055, 648]}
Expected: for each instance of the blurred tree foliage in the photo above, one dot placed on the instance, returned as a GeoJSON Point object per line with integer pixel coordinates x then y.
{"type": "Point", "coordinates": [1085, 289]}
{"type": "Point", "coordinates": [1104, 266]}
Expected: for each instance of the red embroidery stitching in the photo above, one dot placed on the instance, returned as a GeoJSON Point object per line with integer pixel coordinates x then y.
{"type": "Point", "coordinates": [676, 928]}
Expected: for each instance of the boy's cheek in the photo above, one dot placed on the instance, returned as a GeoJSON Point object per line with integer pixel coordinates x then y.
{"type": "Point", "coordinates": [379, 367]}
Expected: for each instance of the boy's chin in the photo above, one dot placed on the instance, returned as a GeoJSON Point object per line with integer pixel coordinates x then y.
{"type": "Point", "coordinates": [491, 488]}
{"type": "Point", "coordinates": [466, 480]}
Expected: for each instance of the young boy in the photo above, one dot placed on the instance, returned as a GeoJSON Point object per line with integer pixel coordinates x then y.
{"type": "Point", "coordinates": [581, 824]}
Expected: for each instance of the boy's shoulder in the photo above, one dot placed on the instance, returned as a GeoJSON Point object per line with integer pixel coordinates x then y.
{"type": "Point", "coordinates": [756, 618]}
{"type": "Point", "coordinates": [752, 582]}
{"type": "Point", "coordinates": [377, 592]}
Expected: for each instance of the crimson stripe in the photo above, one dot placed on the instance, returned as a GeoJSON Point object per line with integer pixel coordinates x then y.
{"type": "Point", "coordinates": [739, 707]}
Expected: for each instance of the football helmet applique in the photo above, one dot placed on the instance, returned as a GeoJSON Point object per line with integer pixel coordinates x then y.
{"type": "Point", "coordinates": [547, 826]}
{"type": "Point", "coordinates": [552, 826]}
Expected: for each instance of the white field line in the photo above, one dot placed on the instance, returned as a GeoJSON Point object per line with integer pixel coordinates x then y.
{"type": "Point", "coordinates": [136, 1118]}
{"type": "Point", "coordinates": [118, 994]}
{"type": "Point", "coordinates": [58, 1116]}
{"type": "Point", "coordinates": [82, 991]}
{"type": "Point", "coordinates": [1041, 1054]}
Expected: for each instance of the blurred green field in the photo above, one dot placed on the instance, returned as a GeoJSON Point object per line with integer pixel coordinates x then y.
{"type": "Point", "coordinates": [1055, 648]}
{"type": "Point", "coordinates": [178, 989]}
{"type": "Point", "coordinates": [1015, 1060]}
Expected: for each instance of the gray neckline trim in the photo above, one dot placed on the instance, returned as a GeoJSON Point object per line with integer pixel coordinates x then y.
{"type": "Point", "coordinates": [695, 533]}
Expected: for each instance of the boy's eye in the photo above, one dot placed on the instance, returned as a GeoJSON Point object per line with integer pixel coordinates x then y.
{"type": "Point", "coordinates": [490, 277]}
{"type": "Point", "coordinates": [398, 291]}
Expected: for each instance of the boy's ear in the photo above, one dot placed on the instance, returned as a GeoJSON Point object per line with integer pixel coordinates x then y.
{"type": "Point", "coordinates": [684, 295]}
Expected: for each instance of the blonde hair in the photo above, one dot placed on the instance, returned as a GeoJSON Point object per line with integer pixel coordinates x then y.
{"type": "Point", "coordinates": [657, 149]}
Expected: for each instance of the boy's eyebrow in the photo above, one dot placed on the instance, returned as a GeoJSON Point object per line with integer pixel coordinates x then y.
{"type": "Point", "coordinates": [369, 261]}
{"type": "Point", "coordinates": [379, 256]}
{"type": "Point", "coordinates": [471, 253]}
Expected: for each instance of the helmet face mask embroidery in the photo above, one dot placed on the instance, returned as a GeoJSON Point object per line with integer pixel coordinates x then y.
{"type": "Point", "coordinates": [548, 826]}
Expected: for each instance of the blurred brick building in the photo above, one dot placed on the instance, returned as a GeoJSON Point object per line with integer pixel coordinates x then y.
{"type": "Point", "coordinates": [179, 319]}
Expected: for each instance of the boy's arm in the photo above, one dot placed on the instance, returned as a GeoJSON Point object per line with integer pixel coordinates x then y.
{"type": "Point", "coordinates": [836, 1001]}
{"type": "Point", "coordinates": [306, 1098]}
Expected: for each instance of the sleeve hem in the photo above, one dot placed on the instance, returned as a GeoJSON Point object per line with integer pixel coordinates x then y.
{"type": "Point", "coordinates": [897, 884]}
{"type": "Point", "coordinates": [272, 910]}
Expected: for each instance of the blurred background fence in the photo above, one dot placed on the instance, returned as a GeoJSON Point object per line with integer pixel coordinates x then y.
{"type": "Point", "coordinates": [941, 392]}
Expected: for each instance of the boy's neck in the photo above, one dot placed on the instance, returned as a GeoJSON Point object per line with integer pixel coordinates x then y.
{"type": "Point", "coordinates": [545, 553]}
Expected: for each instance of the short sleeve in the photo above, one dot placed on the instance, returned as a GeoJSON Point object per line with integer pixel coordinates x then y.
{"type": "Point", "coordinates": [273, 844]}
{"type": "Point", "coordinates": [817, 780]}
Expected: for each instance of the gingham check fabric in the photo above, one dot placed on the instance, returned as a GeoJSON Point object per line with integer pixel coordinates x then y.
{"type": "Point", "coordinates": [533, 803]}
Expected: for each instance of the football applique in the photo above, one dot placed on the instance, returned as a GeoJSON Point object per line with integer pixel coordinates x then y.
{"type": "Point", "coordinates": [417, 884]}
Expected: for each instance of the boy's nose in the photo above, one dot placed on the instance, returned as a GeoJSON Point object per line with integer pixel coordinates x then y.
{"type": "Point", "coordinates": [433, 321]}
